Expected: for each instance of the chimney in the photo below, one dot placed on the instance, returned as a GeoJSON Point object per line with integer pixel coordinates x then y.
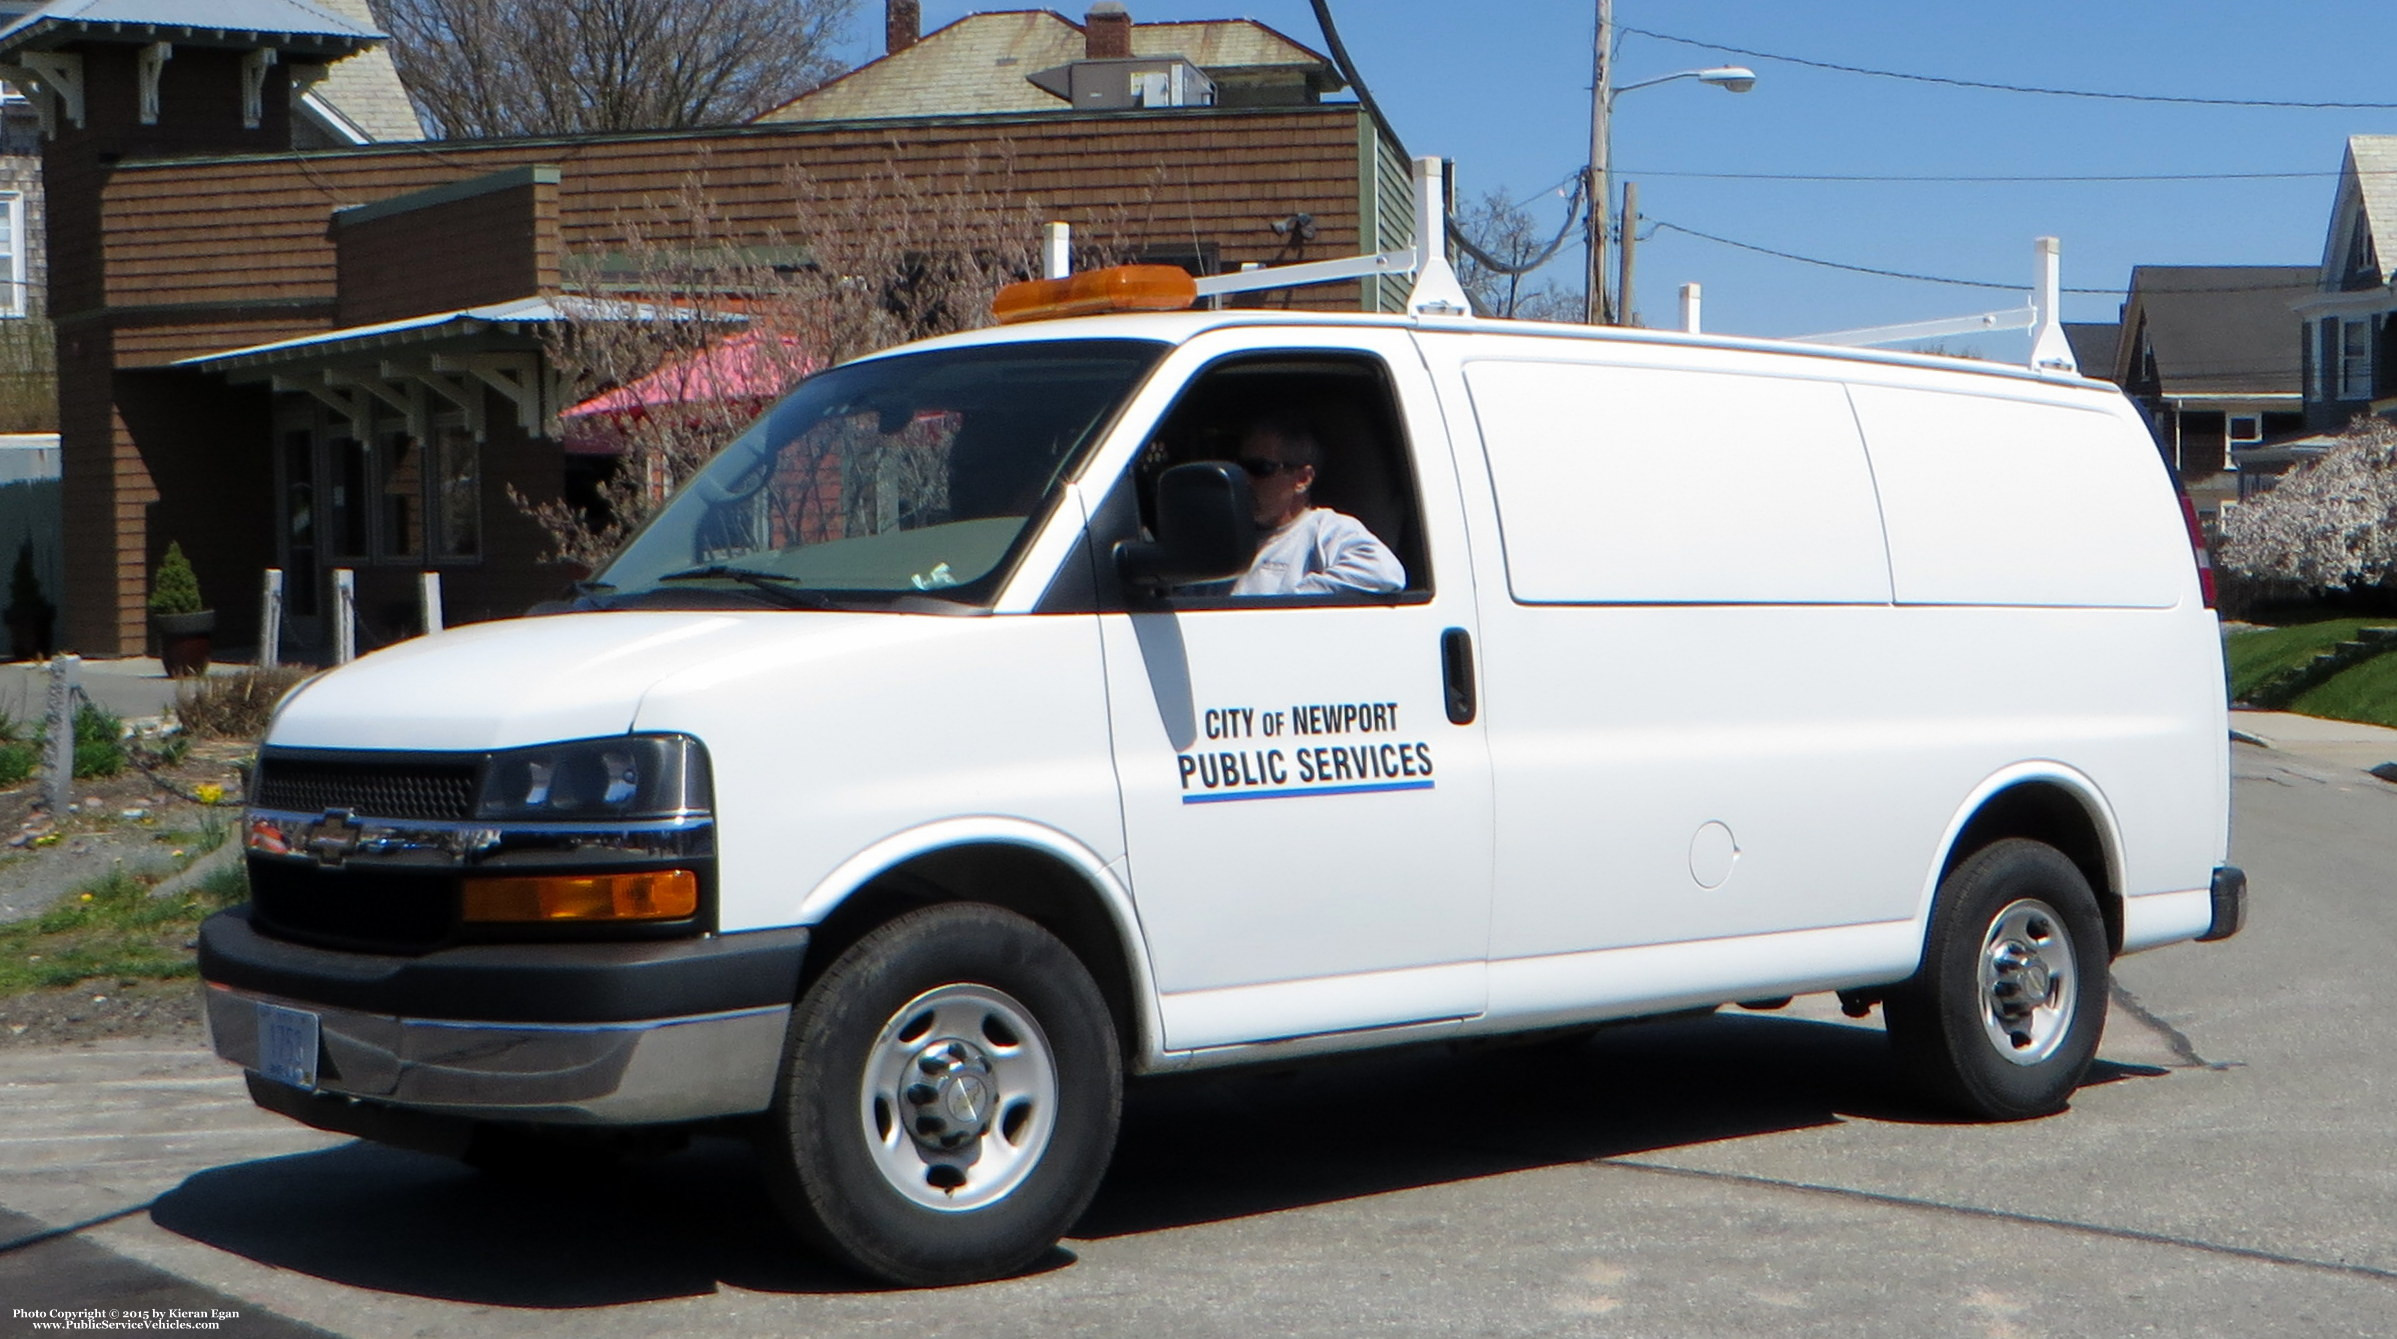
{"type": "Point", "coordinates": [902, 24]}
{"type": "Point", "coordinates": [1108, 31]}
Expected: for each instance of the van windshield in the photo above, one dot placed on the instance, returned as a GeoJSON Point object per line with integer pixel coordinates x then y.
{"type": "Point", "coordinates": [883, 483]}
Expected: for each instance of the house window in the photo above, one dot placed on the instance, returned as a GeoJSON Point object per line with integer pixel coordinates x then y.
{"type": "Point", "coordinates": [2246, 429]}
{"type": "Point", "coordinates": [2363, 267]}
{"type": "Point", "coordinates": [2355, 360]}
{"type": "Point", "coordinates": [12, 254]}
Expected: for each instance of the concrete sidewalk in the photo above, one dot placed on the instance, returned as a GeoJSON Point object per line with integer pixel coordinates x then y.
{"type": "Point", "coordinates": [132, 687]}
{"type": "Point", "coordinates": [2344, 744]}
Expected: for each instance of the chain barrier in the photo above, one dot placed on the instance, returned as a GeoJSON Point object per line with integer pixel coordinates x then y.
{"type": "Point", "coordinates": [133, 754]}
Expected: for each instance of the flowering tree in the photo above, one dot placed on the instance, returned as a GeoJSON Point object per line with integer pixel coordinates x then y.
{"type": "Point", "coordinates": [2330, 524]}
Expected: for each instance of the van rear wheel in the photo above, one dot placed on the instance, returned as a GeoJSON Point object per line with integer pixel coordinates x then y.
{"type": "Point", "coordinates": [2002, 1019]}
{"type": "Point", "coordinates": [948, 1100]}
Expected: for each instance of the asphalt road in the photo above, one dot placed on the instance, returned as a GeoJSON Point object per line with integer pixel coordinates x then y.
{"type": "Point", "coordinates": [2228, 1171]}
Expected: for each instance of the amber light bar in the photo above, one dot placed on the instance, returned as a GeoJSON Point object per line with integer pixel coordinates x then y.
{"type": "Point", "coordinates": [1121, 288]}
{"type": "Point", "coordinates": [659, 895]}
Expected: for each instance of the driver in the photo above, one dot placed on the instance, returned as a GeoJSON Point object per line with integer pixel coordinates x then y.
{"type": "Point", "coordinates": [1304, 549]}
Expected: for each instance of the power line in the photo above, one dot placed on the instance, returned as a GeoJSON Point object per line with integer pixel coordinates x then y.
{"type": "Point", "coordinates": [2101, 177]}
{"type": "Point", "coordinates": [2012, 88]}
{"type": "Point", "coordinates": [1517, 269]}
{"type": "Point", "coordinates": [1660, 225]}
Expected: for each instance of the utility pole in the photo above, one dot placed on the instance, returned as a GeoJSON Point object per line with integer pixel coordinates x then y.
{"type": "Point", "coordinates": [1594, 188]}
{"type": "Point", "coordinates": [1625, 312]}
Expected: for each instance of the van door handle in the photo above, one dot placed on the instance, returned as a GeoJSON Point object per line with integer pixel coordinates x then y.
{"type": "Point", "coordinates": [1456, 674]}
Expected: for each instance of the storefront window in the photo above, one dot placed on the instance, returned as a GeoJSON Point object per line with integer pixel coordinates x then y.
{"type": "Point", "coordinates": [456, 496]}
{"type": "Point", "coordinates": [299, 522]}
{"type": "Point", "coordinates": [400, 470]}
{"type": "Point", "coordinates": [350, 509]}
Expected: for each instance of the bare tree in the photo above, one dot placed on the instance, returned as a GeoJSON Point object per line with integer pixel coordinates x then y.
{"type": "Point", "coordinates": [1503, 230]}
{"type": "Point", "coordinates": [28, 376]}
{"type": "Point", "coordinates": [486, 68]}
{"type": "Point", "coordinates": [865, 263]}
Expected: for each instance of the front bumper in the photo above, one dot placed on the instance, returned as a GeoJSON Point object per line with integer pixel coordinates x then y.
{"type": "Point", "coordinates": [568, 1033]}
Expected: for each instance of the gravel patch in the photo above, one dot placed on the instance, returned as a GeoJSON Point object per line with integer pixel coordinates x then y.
{"type": "Point", "coordinates": [160, 1010]}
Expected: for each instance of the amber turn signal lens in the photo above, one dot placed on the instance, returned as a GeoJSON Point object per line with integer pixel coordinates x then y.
{"type": "Point", "coordinates": [661, 895]}
{"type": "Point", "coordinates": [1121, 288]}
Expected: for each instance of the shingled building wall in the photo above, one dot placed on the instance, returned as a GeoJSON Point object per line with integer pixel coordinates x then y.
{"type": "Point", "coordinates": [196, 255]}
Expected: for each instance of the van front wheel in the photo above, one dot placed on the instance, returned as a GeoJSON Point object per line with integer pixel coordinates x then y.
{"type": "Point", "coordinates": [948, 1098]}
{"type": "Point", "coordinates": [2003, 1018]}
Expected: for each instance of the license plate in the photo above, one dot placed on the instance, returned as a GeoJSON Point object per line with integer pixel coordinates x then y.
{"type": "Point", "coordinates": [287, 1045]}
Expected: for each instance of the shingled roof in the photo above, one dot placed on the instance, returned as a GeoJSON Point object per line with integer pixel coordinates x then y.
{"type": "Point", "coordinates": [2093, 344]}
{"type": "Point", "coordinates": [2216, 329]}
{"type": "Point", "coordinates": [980, 65]}
{"type": "Point", "coordinates": [365, 90]}
{"type": "Point", "coordinates": [2367, 196]}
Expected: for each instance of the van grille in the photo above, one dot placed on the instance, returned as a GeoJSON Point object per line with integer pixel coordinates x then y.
{"type": "Point", "coordinates": [412, 789]}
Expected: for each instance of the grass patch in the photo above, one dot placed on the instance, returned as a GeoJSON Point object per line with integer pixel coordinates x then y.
{"type": "Point", "coordinates": [2255, 657]}
{"type": "Point", "coordinates": [114, 928]}
{"type": "Point", "coordinates": [212, 833]}
{"type": "Point", "coordinates": [2365, 692]}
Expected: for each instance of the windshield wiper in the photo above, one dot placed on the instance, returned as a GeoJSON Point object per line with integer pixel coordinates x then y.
{"type": "Point", "coordinates": [785, 590]}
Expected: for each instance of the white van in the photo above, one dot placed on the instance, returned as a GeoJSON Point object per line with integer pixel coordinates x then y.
{"type": "Point", "coordinates": [904, 786]}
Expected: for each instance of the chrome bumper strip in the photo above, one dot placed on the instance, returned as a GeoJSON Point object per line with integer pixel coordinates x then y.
{"type": "Point", "coordinates": [653, 1072]}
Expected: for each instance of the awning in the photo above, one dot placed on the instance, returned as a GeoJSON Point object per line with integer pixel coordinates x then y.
{"type": "Point", "coordinates": [521, 315]}
{"type": "Point", "coordinates": [2295, 451]}
{"type": "Point", "coordinates": [234, 24]}
{"type": "Point", "coordinates": [444, 357]}
{"type": "Point", "coordinates": [751, 365]}
{"type": "Point", "coordinates": [748, 371]}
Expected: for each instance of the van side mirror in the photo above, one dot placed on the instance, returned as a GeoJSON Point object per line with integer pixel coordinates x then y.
{"type": "Point", "coordinates": [1206, 529]}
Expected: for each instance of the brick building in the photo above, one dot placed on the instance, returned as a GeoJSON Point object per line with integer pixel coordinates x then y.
{"type": "Point", "coordinates": [332, 358]}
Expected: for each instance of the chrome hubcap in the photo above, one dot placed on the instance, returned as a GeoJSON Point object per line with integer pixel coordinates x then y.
{"type": "Point", "coordinates": [960, 1097]}
{"type": "Point", "coordinates": [2028, 982]}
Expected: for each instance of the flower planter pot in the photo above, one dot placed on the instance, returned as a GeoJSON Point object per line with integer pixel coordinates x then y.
{"type": "Point", "coordinates": [29, 634]}
{"type": "Point", "coordinates": [183, 641]}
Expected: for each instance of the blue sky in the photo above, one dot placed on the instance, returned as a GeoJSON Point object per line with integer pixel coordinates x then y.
{"type": "Point", "coordinates": [1502, 86]}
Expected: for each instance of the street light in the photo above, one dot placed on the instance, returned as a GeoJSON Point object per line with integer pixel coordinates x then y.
{"type": "Point", "coordinates": [1599, 188]}
{"type": "Point", "coordinates": [1731, 78]}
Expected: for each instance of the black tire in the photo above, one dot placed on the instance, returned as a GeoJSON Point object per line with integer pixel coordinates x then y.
{"type": "Point", "coordinates": [944, 1021]}
{"type": "Point", "coordinates": [2003, 1018]}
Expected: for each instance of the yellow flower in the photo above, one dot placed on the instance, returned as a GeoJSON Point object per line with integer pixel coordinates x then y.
{"type": "Point", "coordinates": [209, 792]}
{"type": "Point", "coordinates": [87, 897]}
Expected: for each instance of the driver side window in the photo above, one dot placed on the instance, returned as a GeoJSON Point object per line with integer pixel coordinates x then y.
{"type": "Point", "coordinates": [1320, 439]}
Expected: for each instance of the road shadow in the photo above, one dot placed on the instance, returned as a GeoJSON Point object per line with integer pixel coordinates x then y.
{"type": "Point", "coordinates": [1208, 1148]}
{"type": "Point", "coordinates": [1194, 1149]}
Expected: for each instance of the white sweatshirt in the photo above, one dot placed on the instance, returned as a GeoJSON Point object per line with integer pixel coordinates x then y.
{"type": "Point", "coordinates": [1320, 551]}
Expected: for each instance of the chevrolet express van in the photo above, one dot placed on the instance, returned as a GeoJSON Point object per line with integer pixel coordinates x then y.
{"type": "Point", "coordinates": [906, 786]}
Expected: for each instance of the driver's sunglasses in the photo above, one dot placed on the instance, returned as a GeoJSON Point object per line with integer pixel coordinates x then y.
{"type": "Point", "coordinates": [1260, 468]}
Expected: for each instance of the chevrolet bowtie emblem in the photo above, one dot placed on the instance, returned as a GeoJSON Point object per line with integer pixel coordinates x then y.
{"type": "Point", "coordinates": [333, 838]}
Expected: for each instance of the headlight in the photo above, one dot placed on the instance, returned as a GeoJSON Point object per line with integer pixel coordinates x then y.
{"type": "Point", "coordinates": [629, 776]}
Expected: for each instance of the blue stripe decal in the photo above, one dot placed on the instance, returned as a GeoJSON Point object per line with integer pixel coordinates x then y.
{"type": "Point", "coordinates": [1306, 790]}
